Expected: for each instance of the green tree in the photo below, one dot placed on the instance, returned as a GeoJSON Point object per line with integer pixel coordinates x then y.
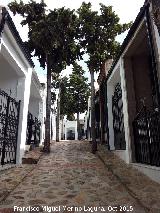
{"type": "Point", "coordinates": [73, 94]}
{"type": "Point", "coordinates": [61, 84]}
{"type": "Point", "coordinates": [79, 92]}
{"type": "Point", "coordinates": [71, 117]}
{"type": "Point", "coordinates": [52, 38]}
{"type": "Point", "coordinates": [97, 32]}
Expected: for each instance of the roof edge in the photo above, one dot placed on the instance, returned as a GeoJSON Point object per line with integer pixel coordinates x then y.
{"type": "Point", "coordinates": [7, 19]}
{"type": "Point", "coordinates": [126, 41]}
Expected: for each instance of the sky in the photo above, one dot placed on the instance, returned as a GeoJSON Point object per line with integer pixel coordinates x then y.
{"type": "Point", "coordinates": [127, 10]}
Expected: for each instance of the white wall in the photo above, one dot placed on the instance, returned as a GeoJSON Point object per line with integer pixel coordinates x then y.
{"type": "Point", "coordinates": [15, 74]}
{"type": "Point", "coordinates": [71, 125]}
{"type": "Point", "coordinates": [42, 114]}
{"type": "Point", "coordinates": [8, 78]}
{"type": "Point", "coordinates": [128, 152]}
{"type": "Point", "coordinates": [156, 39]}
{"type": "Point", "coordinates": [23, 95]}
{"type": "Point", "coordinates": [53, 120]}
{"type": "Point", "coordinates": [34, 107]}
{"type": "Point", "coordinates": [9, 86]}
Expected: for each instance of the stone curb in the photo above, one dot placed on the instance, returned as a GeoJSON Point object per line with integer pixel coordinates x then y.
{"type": "Point", "coordinates": [124, 185]}
{"type": "Point", "coordinates": [129, 177]}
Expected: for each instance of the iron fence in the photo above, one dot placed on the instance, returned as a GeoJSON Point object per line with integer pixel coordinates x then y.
{"type": "Point", "coordinates": [33, 130]}
{"type": "Point", "coordinates": [147, 137]}
{"type": "Point", "coordinates": [118, 120]}
{"type": "Point", "coordinates": [9, 120]}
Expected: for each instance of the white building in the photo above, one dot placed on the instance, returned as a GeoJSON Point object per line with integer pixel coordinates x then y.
{"type": "Point", "coordinates": [70, 130]}
{"type": "Point", "coordinates": [20, 93]}
{"type": "Point", "coordinates": [130, 96]}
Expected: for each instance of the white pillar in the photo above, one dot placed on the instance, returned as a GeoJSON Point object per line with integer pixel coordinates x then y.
{"type": "Point", "coordinates": [43, 113]}
{"type": "Point", "coordinates": [128, 152]}
{"type": "Point", "coordinates": [76, 133]}
{"type": "Point", "coordinates": [156, 39]}
{"type": "Point", "coordinates": [23, 94]}
{"type": "Point", "coordinates": [110, 90]}
{"type": "Point", "coordinates": [41, 120]}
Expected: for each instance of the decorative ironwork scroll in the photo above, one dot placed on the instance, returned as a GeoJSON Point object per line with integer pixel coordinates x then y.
{"type": "Point", "coordinates": [33, 130]}
{"type": "Point", "coordinates": [9, 120]}
{"type": "Point", "coordinates": [147, 137]}
{"type": "Point", "coordinates": [118, 121]}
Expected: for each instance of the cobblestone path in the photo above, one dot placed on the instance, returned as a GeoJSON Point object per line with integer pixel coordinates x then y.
{"type": "Point", "coordinates": [69, 176]}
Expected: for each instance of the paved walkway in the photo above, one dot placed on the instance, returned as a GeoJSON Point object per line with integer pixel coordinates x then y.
{"type": "Point", "coordinates": [70, 176]}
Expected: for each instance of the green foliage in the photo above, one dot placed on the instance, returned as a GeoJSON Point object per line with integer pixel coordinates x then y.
{"type": "Point", "coordinates": [62, 83]}
{"type": "Point", "coordinates": [71, 117]}
{"type": "Point", "coordinates": [97, 32]}
{"type": "Point", "coordinates": [52, 33]}
{"type": "Point", "coordinates": [74, 91]}
{"type": "Point", "coordinates": [79, 89]}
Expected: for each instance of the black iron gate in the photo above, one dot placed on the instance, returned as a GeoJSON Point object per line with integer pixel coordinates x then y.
{"type": "Point", "coordinates": [9, 120]}
{"type": "Point", "coordinates": [33, 130]}
{"type": "Point", "coordinates": [118, 121]}
{"type": "Point", "coordinates": [147, 137]}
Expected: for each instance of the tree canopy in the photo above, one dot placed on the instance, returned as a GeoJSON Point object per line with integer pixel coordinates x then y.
{"type": "Point", "coordinates": [74, 91]}
{"type": "Point", "coordinates": [97, 33]}
{"type": "Point", "coordinates": [79, 89]}
{"type": "Point", "coordinates": [59, 37]}
{"type": "Point", "coordinates": [52, 37]}
{"type": "Point", "coordinates": [51, 32]}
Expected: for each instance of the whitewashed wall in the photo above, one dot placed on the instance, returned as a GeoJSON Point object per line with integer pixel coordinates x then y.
{"type": "Point", "coordinates": [71, 125]}
{"type": "Point", "coordinates": [15, 72]}
{"type": "Point", "coordinates": [34, 107]}
{"type": "Point", "coordinates": [53, 120]}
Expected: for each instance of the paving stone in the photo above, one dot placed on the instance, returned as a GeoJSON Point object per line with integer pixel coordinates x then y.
{"type": "Point", "coordinates": [71, 175]}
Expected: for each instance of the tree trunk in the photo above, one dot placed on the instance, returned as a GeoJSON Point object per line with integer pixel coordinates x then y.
{"type": "Point", "coordinates": [78, 126]}
{"type": "Point", "coordinates": [58, 115]}
{"type": "Point", "coordinates": [48, 109]}
{"type": "Point", "coordinates": [93, 129]}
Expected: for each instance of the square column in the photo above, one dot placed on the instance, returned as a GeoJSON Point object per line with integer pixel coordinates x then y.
{"type": "Point", "coordinates": [76, 133]}
{"type": "Point", "coordinates": [23, 94]}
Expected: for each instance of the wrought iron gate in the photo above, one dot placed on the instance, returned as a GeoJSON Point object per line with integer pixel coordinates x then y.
{"type": "Point", "coordinates": [118, 122]}
{"type": "Point", "coordinates": [147, 137]}
{"type": "Point", "coordinates": [33, 130]}
{"type": "Point", "coordinates": [9, 120]}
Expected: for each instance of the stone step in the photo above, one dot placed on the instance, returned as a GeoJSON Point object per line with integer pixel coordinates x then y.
{"type": "Point", "coordinates": [33, 156]}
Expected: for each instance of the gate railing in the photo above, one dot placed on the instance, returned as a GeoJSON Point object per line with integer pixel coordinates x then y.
{"type": "Point", "coordinates": [118, 119]}
{"type": "Point", "coordinates": [9, 120]}
{"type": "Point", "coordinates": [146, 128]}
{"type": "Point", "coordinates": [33, 130]}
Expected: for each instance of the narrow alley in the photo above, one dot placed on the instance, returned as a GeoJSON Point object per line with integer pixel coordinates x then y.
{"type": "Point", "coordinates": [71, 179]}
